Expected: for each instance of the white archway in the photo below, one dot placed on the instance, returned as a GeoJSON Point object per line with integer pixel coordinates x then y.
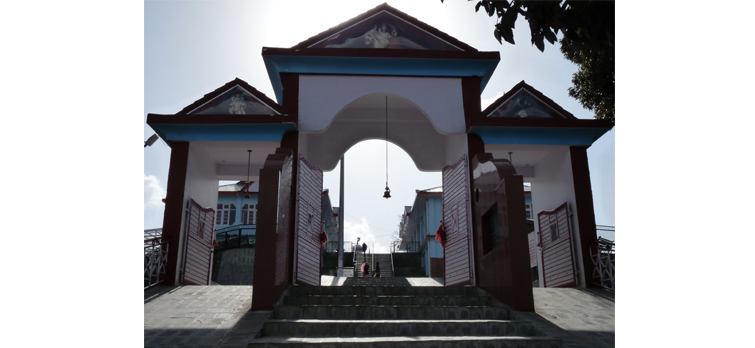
{"type": "Point", "coordinates": [327, 133]}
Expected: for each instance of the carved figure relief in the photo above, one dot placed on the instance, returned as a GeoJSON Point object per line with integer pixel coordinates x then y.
{"type": "Point", "coordinates": [381, 36]}
{"type": "Point", "coordinates": [238, 105]}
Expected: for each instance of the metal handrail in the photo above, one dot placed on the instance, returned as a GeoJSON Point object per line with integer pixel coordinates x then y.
{"type": "Point", "coordinates": [411, 247]}
{"type": "Point", "coordinates": [240, 236]}
{"type": "Point", "coordinates": [393, 271]}
{"type": "Point", "coordinates": [155, 261]}
{"type": "Point", "coordinates": [332, 246]}
{"type": "Point", "coordinates": [602, 255]}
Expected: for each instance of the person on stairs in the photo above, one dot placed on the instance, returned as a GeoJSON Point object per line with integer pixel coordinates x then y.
{"type": "Point", "coordinates": [376, 273]}
{"type": "Point", "coordinates": [366, 270]}
{"type": "Point", "coordinates": [357, 250]}
{"type": "Point", "coordinates": [364, 250]}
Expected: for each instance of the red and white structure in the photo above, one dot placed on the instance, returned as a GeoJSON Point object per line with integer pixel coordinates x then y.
{"type": "Point", "coordinates": [330, 93]}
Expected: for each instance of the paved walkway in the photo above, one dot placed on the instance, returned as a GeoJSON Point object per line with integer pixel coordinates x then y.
{"type": "Point", "coordinates": [220, 316]}
{"type": "Point", "coordinates": [580, 317]}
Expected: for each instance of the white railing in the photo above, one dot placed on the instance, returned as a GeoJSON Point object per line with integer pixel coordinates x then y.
{"type": "Point", "coordinates": [155, 261]}
{"type": "Point", "coordinates": [603, 257]}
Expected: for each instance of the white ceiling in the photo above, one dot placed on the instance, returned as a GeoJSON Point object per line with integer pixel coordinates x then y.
{"type": "Point", "coordinates": [365, 118]}
{"type": "Point", "coordinates": [231, 157]}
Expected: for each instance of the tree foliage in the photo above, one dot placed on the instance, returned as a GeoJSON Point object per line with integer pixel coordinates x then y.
{"type": "Point", "coordinates": [587, 29]}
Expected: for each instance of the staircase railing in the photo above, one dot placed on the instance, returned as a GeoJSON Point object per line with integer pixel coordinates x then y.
{"type": "Point", "coordinates": [603, 256]}
{"type": "Point", "coordinates": [393, 271]}
{"type": "Point", "coordinates": [155, 261]}
{"type": "Point", "coordinates": [332, 246]}
{"type": "Point", "coordinates": [409, 247]}
{"type": "Point", "coordinates": [240, 236]}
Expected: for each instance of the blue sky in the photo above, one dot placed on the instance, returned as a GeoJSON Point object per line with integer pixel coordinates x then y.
{"type": "Point", "coordinates": [191, 48]}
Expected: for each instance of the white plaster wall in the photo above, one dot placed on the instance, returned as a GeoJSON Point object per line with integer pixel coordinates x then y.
{"type": "Point", "coordinates": [321, 97]}
{"type": "Point", "coordinates": [304, 146]}
{"type": "Point", "coordinates": [553, 185]}
{"type": "Point", "coordinates": [456, 146]}
{"type": "Point", "coordinates": [201, 186]}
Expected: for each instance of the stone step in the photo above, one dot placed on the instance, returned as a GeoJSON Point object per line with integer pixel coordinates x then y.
{"type": "Point", "coordinates": [390, 312]}
{"type": "Point", "coordinates": [404, 342]}
{"type": "Point", "coordinates": [401, 342]}
{"type": "Point", "coordinates": [383, 274]}
{"type": "Point", "coordinates": [380, 328]}
{"type": "Point", "coordinates": [380, 282]}
{"type": "Point", "coordinates": [383, 290]}
{"type": "Point", "coordinates": [346, 300]}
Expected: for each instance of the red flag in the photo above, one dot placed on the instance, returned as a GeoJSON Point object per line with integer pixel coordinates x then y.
{"type": "Point", "coordinates": [323, 239]}
{"type": "Point", "coordinates": [440, 235]}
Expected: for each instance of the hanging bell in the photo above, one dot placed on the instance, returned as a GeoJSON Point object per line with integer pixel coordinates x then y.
{"type": "Point", "coordinates": [387, 193]}
{"type": "Point", "coordinates": [246, 195]}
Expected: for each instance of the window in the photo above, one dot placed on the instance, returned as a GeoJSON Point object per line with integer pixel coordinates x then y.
{"type": "Point", "coordinates": [554, 231]}
{"type": "Point", "coordinates": [249, 214]}
{"type": "Point", "coordinates": [528, 211]}
{"type": "Point", "coordinates": [226, 214]}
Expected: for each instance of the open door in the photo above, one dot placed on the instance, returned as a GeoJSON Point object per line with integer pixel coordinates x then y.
{"type": "Point", "coordinates": [557, 249]}
{"type": "Point", "coordinates": [459, 258]}
{"type": "Point", "coordinates": [197, 255]}
{"type": "Point", "coordinates": [308, 224]}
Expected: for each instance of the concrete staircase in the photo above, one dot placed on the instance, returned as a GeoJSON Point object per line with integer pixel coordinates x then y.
{"type": "Point", "coordinates": [385, 265]}
{"type": "Point", "coordinates": [376, 315]}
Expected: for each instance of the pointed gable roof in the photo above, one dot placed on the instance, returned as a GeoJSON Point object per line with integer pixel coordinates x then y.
{"type": "Point", "coordinates": [524, 115]}
{"type": "Point", "coordinates": [236, 94]}
{"type": "Point", "coordinates": [235, 111]}
{"type": "Point", "coordinates": [410, 48]}
{"type": "Point", "coordinates": [384, 27]}
{"type": "Point", "coordinates": [524, 101]}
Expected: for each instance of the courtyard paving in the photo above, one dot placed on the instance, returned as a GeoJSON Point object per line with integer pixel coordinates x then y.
{"type": "Point", "coordinates": [219, 316]}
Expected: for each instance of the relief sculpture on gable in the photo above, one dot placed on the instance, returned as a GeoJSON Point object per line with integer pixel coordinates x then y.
{"type": "Point", "coordinates": [236, 101]}
{"type": "Point", "coordinates": [384, 31]}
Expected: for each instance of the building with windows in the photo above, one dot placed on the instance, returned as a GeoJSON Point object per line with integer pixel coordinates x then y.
{"type": "Point", "coordinates": [235, 211]}
{"type": "Point", "coordinates": [418, 226]}
{"type": "Point", "coordinates": [235, 208]}
{"type": "Point", "coordinates": [420, 222]}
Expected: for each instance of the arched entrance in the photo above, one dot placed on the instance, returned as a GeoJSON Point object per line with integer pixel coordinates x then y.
{"type": "Point", "coordinates": [329, 97]}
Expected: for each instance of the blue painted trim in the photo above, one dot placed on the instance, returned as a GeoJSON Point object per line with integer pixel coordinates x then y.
{"type": "Point", "coordinates": [538, 135]}
{"type": "Point", "coordinates": [376, 66]}
{"type": "Point", "coordinates": [223, 132]}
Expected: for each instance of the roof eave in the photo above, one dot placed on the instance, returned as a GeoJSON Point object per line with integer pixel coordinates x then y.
{"type": "Point", "coordinates": [221, 127]}
{"type": "Point", "coordinates": [384, 62]}
{"type": "Point", "coordinates": [571, 133]}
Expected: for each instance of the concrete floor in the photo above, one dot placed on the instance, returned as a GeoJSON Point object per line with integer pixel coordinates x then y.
{"type": "Point", "coordinates": [219, 316]}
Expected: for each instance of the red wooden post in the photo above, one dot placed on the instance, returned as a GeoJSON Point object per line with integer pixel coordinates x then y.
{"type": "Point", "coordinates": [588, 234]}
{"type": "Point", "coordinates": [174, 206]}
{"type": "Point", "coordinates": [271, 258]}
{"type": "Point", "coordinates": [503, 251]}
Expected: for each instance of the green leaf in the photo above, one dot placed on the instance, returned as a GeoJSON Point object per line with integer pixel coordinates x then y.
{"type": "Point", "coordinates": [539, 43]}
{"type": "Point", "coordinates": [490, 8]}
{"type": "Point", "coordinates": [497, 35]}
{"type": "Point", "coordinates": [477, 7]}
{"type": "Point", "coordinates": [551, 37]}
{"type": "Point", "coordinates": [507, 34]}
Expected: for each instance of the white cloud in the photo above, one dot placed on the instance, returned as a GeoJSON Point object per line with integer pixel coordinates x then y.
{"type": "Point", "coordinates": [362, 230]}
{"type": "Point", "coordinates": [153, 192]}
{"type": "Point", "coordinates": [484, 103]}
